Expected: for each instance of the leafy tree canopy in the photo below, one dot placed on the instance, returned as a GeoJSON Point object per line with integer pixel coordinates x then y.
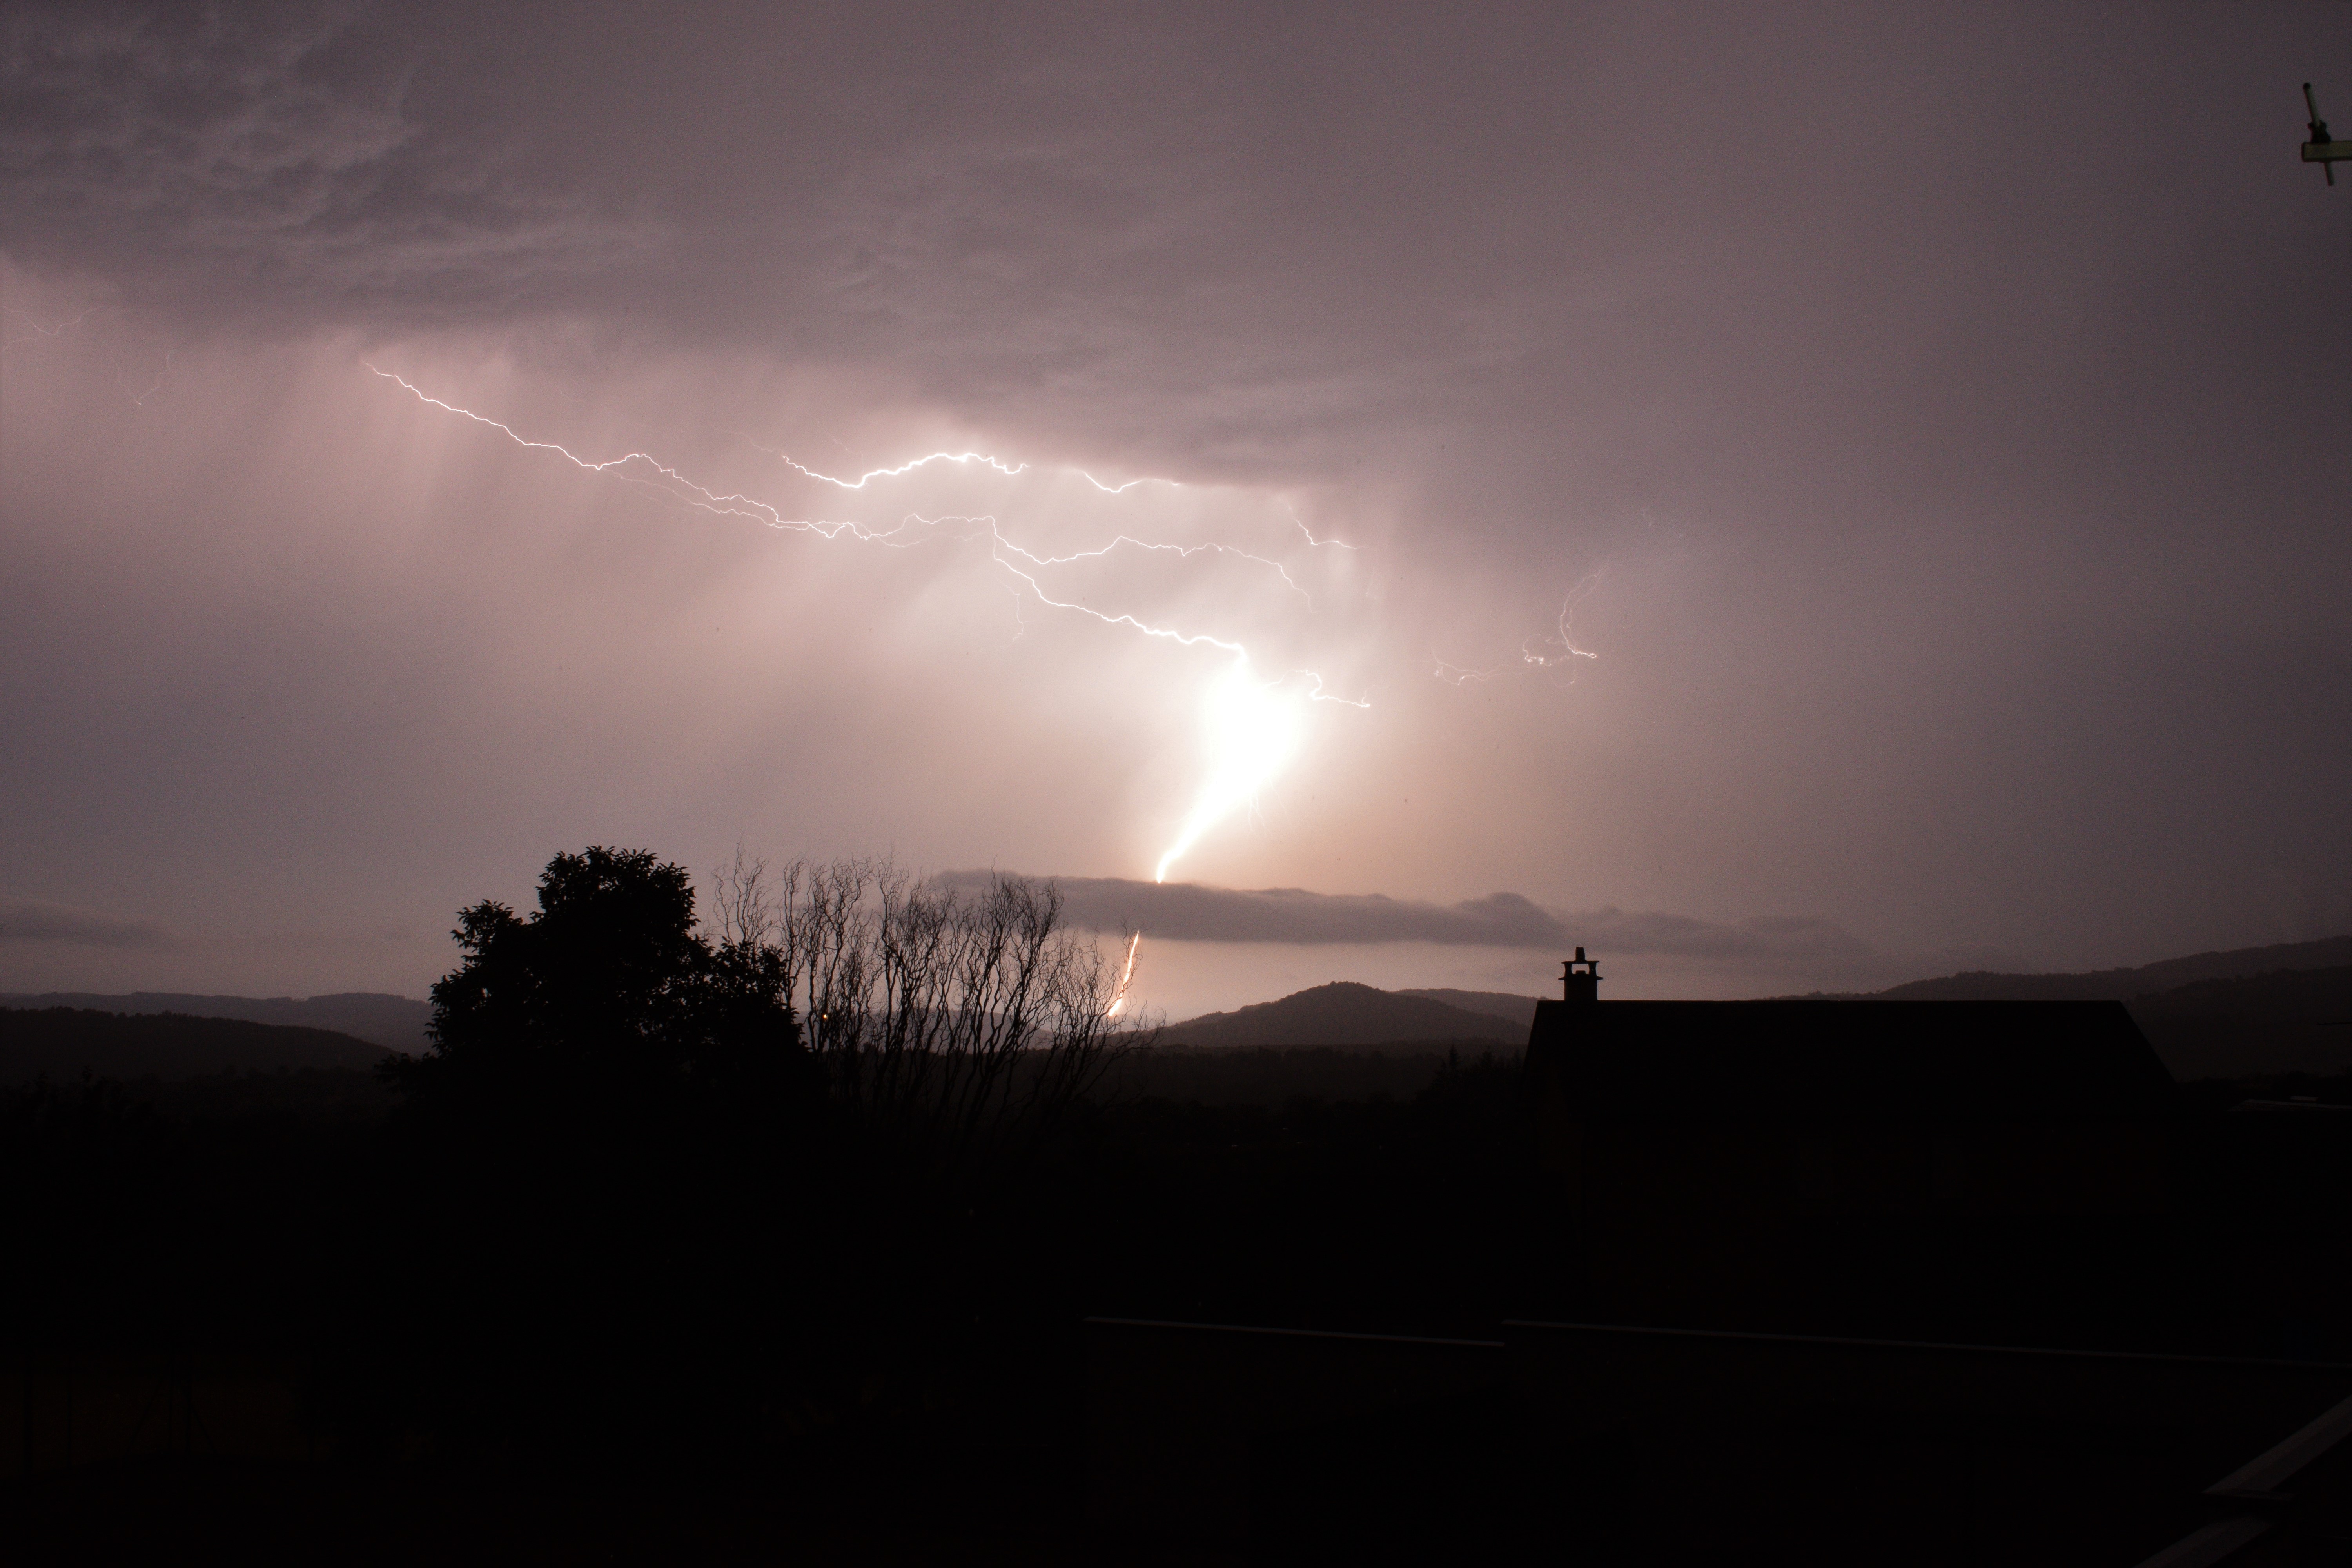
{"type": "Point", "coordinates": [607, 986]}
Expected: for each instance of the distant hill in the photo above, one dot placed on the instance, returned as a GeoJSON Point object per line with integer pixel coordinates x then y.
{"type": "Point", "coordinates": [395, 1023]}
{"type": "Point", "coordinates": [2251, 1010]}
{"type": "Point", "coordinates": [1519, 1010]}
{"type": "Point", "coordinates": [2125, 984]}
{"type": "Point", "coordinates": [2256, 1010]}
{"type": "Point", "coordinates": [1344, 1014]}
{"type": "Point", "coordinates": [66, 1042]}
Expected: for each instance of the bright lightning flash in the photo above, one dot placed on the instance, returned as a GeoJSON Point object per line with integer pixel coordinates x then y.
{"type": "Point", "coordinates": [1126, 975]}
{"type": "Point", "coordinates": [1253, 729]}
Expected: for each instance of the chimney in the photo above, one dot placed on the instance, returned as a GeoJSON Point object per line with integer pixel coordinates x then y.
{"type": "Point", "coordinates": [1580, 979]}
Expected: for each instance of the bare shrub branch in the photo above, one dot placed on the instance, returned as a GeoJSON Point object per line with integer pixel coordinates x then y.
{"type": "Point", "coordinates": [965, 1025]}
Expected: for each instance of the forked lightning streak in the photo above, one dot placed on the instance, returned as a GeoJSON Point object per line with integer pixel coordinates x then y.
{"type": "Point", "coordinates": [1253, 724]}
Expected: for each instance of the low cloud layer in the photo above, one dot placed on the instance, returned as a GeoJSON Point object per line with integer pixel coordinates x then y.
{"type": "Point", "coordinates": [31, 921]}
{"type": "Point", "coordinates": [1184, 911]}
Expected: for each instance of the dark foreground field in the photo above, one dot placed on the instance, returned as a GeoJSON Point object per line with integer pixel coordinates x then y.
{"type": "Point", "coordinates": [277, 1312]}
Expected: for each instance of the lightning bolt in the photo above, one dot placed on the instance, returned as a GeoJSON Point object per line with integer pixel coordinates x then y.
{"type": "Point", "coordinates": [40, 331]}
{"type": "Point", "coordinates": [1252, 723]}
{"type": "Point", "coordinates": [1182, 552]}
{"type": "Point", "coordinates": [1315, 543]}
{"type": "Point", "coordinates": [1117, 489]}
{"type": "Point", "coordinates": [1126, 975]}
{"type": "Point", "coordinates": [1461, 675]}
{"type": "Point", "coordinates": [1534, 651]}
{"type": "Point", "coordinates": [1010, 470]}
{"type": "Point", "coordinates": [862, 481]}
{"type": "Point", "coordinates": [1566, 640]}
{"type": "Point", "coordinates": [859, 483]}
{"type": "Point", "coordinates": [139, 399]}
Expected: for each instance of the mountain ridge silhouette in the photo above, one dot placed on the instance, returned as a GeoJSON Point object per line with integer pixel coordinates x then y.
{"type": "Point", "coordinates": [2216, 1014]}
{"type": "Point", "coordinates": [1343, 1013]}
{"type": "Point", "coordinates": [380, 1018]}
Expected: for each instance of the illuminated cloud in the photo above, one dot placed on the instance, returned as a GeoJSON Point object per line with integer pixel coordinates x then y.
{"type": "Point", "coordinates": [1183, 912]}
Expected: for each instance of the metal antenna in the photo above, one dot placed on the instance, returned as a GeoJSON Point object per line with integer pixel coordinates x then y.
{"type": "Point", "coordinates": [2321, 150]}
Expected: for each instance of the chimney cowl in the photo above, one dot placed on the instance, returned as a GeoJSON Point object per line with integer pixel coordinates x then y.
{"type": "Point", "coordinates": [1581, 978]}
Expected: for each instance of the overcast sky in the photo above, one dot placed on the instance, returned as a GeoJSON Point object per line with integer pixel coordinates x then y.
{"type": "Point", "coordinates": [1939, 418]}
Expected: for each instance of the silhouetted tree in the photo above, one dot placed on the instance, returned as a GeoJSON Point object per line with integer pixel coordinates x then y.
{"type": "Point", "coordinates": [591, 1214]}
{"type": "Point", "coordinates": [956, 1024]}
{"type": "Point", "coordinates": [627, 1205]}
{"type": "Point", "coordinates": [608, 989]}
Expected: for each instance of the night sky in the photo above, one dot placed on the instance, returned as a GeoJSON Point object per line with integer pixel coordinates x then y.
{"type": "Point", "coordinates": [1786, 497]}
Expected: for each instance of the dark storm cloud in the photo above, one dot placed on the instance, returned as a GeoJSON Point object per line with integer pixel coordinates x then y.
{"type": "Point", "coordinates": [1266, 241]}
{"type": "Point", "coordinates": [1183, 912]}
{"type": "Point", "coordinates": [31, 921]}
{"type": "Point", "coordinates": [268, 158]}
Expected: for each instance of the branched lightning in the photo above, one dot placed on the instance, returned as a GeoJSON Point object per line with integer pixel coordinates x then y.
{"type": "Point", "coordinates": [1537, 652]}
{"type": "Point", "coordinates": [1565, 641]}
{"type": "Point", "coordinates": [1117, 489]}
{"type": "Point", "coordinates": [1181, 552]}
{"type": "Point", "coordinates": [1254, 723]}
{"type": "Point", "coordinates": [859, 482]}
{"type": "Point", "coordinates": [40, 331]}
{"type": "Point", "coordinates": [139, 399]}
{"type": "Point", "coordinates": [862, 481]}
{"type": "Point", "coordinates": [41, 334]}
{"type": "Point", "coordinates": [1461, 675]}
{"type": "Point", "coordinates": [1315, 543]}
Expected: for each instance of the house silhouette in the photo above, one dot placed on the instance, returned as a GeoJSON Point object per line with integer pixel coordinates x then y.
{"type": "Point", "coordinates": [1692, 1146]}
